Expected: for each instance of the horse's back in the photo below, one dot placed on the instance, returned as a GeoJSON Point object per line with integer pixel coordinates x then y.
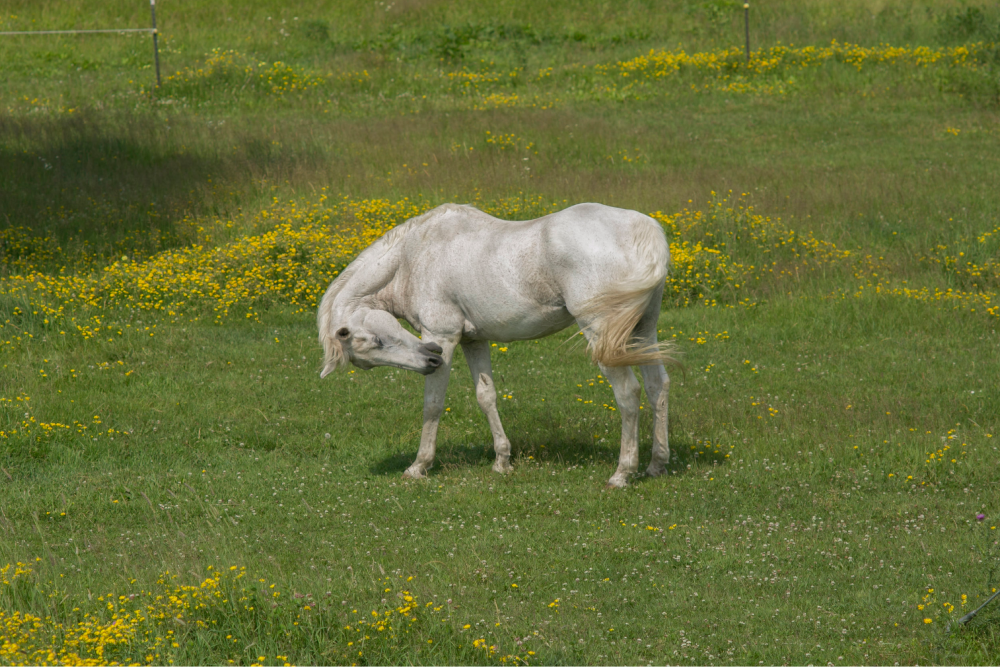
{"type": "Point", "coordinates": [584, 238]}
{"type": "Point", "coordinates": [580, 231]}
{"type": "Point", "coordinates": [522, 279]}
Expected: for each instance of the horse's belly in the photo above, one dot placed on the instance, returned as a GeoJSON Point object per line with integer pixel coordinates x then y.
{"type": "Point", "coordinates": [508, 326]}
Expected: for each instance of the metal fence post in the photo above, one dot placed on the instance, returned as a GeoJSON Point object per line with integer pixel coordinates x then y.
{"type": "Point", "coordinates": [156, 46]}
{"type": "Point", "coordinates": [746, 20]}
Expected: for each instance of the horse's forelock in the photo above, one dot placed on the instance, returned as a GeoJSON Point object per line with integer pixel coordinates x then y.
{"type": "Point", "coordinates": [333, 355]}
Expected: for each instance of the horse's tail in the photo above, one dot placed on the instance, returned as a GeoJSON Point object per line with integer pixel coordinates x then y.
{"type": "Point", "coordinates": [613, 315]}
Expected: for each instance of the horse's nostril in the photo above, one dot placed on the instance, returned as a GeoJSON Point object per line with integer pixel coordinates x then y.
{"type": "Point", "coordinates": [434, 361]}
{"type": "Point", "coordinates": [433, 347]}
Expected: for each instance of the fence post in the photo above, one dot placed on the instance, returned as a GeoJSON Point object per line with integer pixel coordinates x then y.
{"type": "Point", "coordinates": [746, 20]}
{"type": "Point", "coordinates": [156, 46]}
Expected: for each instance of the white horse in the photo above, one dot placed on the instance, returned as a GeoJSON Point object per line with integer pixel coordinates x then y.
{"type": "Point", "coordinates": [462, 277]}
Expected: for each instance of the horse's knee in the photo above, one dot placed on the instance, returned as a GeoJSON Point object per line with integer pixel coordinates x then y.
{"type": "Point", "coordinates": [664, 396]}
{"type": "Point", "coordinates": [433, 408]}
{"type": "Point", "coordinates": [486, 392]}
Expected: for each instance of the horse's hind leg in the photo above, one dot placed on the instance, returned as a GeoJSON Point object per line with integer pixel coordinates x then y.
{"type": "Point", "coordinates": [477, 354]}
{"type": "Point", "coordinates": [627, 394]}
{"type": "Point", "coordinates": [657, 383]}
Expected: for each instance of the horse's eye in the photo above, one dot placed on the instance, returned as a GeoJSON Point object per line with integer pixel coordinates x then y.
{"type": "Point", "coordinates": [343, 332]}
{"type": "Point", "coordinates": [377, 341]}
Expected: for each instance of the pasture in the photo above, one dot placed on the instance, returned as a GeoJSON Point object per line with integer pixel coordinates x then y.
{"type": "Point", "coordinates": [177, 485]}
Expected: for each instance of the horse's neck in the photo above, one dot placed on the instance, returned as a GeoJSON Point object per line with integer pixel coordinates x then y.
{"type": "Point", "coordinates": [370, 274]}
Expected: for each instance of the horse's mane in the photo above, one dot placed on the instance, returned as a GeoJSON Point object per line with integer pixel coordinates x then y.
{"type": "Point", "coordinates": [399, 232]}
{"type": "Point", "coordinates": [375, 251]}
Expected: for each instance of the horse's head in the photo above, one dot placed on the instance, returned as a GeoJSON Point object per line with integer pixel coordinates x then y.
{"type": "Point", "coordinates": [372, 338]}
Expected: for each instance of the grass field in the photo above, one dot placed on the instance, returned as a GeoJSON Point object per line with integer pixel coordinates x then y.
{"type": "Point", "coordinates": [178, 486]}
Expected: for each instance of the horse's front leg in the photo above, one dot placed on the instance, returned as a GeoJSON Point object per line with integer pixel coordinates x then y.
{"type": "Point", "coordinates": [435, 388]}
{"type": "Point", "coordinates": [477, 354]}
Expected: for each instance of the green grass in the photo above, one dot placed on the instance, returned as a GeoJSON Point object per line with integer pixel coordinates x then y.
{"type": "Point", "coordinates": [804, 519]}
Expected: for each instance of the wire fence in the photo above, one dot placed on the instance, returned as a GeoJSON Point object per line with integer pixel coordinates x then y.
{"type": "Point", "coordinates": [74, 32]}
{"type": "Point", "coordinates": [152, 30]}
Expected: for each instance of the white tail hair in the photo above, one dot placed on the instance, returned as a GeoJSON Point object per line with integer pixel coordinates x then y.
{"type": "Point", "coordinates": [613, 315]}
{"type": "Point", "coordinates": [613, 318]}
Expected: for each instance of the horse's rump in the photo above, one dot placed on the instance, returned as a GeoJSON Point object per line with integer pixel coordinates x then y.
{"type": "Point", "coordinates": [612, 316]}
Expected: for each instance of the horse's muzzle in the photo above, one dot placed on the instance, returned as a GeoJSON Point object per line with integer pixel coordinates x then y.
{"type": "Point", "coordinates": [430, 348]}
{"type": "Point", "coordinates": [433, 360]}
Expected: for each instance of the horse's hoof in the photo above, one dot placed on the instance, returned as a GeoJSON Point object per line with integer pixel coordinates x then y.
{"type": "Point", "coordinates": [412, 473]}
{"type": "Point", "coordinates": [656, 472]}
{"type": "Point", "coordinates": [503, 468]}
{"type": "Point", "coordinates": [617, 482]}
